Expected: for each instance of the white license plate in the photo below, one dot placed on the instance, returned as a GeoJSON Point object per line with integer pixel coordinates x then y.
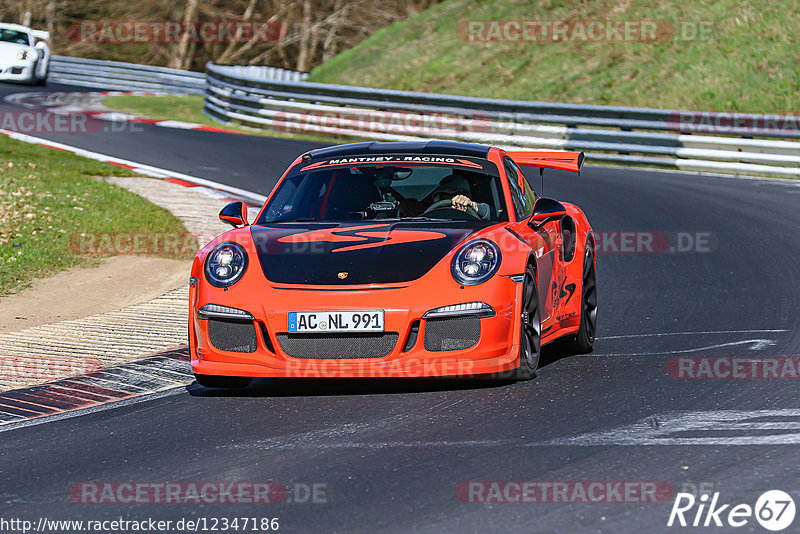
{"type": "Point", "coordinates": [336, 321]}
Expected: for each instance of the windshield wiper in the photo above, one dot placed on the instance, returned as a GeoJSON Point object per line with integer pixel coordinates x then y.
{"type": "Point", "coordinates": [300, 219]}
{"type": "Point", "coordinates": [313, 219]}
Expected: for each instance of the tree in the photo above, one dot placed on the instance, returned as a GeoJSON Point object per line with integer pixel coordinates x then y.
{"type": "Point", "coordinates": [302, 33]}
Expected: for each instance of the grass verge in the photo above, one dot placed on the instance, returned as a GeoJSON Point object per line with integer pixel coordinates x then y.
{"type": "Point", "coordinates": [48, 198]}
{"type": "Point", "coordinates": [189, 108]}
{"type": "Point", "coordinates": [724, 55]}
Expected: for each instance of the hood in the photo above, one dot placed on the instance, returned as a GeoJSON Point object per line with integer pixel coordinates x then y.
{"type": "Point", "coordinates": [8, 51]}
{"type": "Point", "coordinates": [366, 252]}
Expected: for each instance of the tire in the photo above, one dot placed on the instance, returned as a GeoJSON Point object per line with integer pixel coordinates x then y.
{"type": "Point", "coordinates": [583, 341]}
{"type": "Point", "coordinates": [34, 80]}
{"type": "Point", "coordinates": [530, 343]}
{"type": "Point", "coordinates": [214, 381]}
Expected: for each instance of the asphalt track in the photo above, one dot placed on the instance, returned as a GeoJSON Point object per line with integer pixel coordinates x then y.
{"type": "Point", "coordinates": [391, 454]}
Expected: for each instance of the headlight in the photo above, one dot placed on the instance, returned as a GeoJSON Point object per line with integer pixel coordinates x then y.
{"type": "Point", "coordinates": [23, 55]}
{"type": "Point", "coordinates": [217, 311]}
{"type": "Point", "coordinates": [226, 264]}
{"type": "Point", "coordinates": [458, 310]}
{"type": "Point", "coordinates": [476, 262]}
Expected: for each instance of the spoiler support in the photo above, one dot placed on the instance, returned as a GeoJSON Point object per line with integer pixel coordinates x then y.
{"type": "Point", "coordinates": [564, 161]}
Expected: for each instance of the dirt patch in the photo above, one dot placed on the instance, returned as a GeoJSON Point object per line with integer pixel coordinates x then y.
{"type": "Point", "coordinates": [118, 282]}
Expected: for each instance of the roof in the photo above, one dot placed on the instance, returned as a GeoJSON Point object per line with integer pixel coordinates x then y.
{"type": "Point", "coordinates": [11, 26]}
{"type": "Point", "coordinates": [450, 148]}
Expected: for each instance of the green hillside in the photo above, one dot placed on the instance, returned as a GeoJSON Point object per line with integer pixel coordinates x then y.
{"type": "Point", "coordinates": [743, 56]}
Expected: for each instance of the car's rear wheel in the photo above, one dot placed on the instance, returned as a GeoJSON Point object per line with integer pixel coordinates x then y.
{"type": "Point", "coordinates": [530, 343]}
{"type": "Point", "coordinates": [214, 381]}
{"type": "Point", "coordinates": [583, 341]}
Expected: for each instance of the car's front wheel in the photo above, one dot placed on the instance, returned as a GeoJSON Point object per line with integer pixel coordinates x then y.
{"type": "Point", "coordinates": [33, 80]}
{"type": "Point", "coordinates": [214, 381]}
{"type": "Point", "coordinates": [530, 343]}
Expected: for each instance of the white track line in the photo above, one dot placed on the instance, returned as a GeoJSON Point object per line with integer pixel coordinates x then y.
{"type": "Point", "coordinates": [142, 168]}
{"type": "Point", "coordinates": [661, 334]}
{"type": "Point", "coordinates": [713, 427]}
{"type": "Point", "coordinates": [755, 344]}
{"type": "Point", "coordinates": [167, 392]}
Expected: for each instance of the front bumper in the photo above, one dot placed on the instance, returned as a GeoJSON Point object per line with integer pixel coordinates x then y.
{"type": "Point", "coordinates": [22, 72]}
{"type": "Point", "coordinates": [266, 351]}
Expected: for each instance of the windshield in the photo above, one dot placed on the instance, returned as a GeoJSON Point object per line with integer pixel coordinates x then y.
{"type": "Point", "coordinates": [14, 36]}
{"type": "Point", "coordinates": [347, 193]}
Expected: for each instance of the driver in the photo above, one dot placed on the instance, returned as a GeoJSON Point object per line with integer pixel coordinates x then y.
{"type": "Point", "coordinates": [456, 188]}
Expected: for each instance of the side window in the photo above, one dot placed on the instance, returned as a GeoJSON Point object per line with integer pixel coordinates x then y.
{"type": "Point", "coordinates": [523, 200]}
{"type": "Point", "coordinates": [282, 200]}
{"type": "Point", "coordinates": [530, 194]}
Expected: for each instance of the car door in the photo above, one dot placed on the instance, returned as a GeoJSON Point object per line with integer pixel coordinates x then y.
{"type": "Point", "coordinates": [545, 242]}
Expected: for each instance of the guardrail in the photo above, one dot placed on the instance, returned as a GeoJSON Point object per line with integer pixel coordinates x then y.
{"type": "Point", "coordinates": [125, 76]}
{"type": "Point", "coordinates": [133, 77]}
{"type": "Point", "coordinates": [615, 134]}
{"type": "Point", "coordinates": [262, 73]}
{"type": "Point", "coordinates": [273, 98]}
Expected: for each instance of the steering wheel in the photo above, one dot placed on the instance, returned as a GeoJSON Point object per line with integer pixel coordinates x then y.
{"type": "Point", "coordinates": [448, 203]}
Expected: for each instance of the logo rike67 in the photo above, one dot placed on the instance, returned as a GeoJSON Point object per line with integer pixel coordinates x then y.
{"type": "Point", "coordinates": [774, 510]}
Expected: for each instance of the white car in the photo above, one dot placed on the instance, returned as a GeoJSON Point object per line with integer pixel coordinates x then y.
{"type": "Point", "coordinates": [24, 55]}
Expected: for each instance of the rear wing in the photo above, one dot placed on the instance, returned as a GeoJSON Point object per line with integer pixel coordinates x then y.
{"type": "Point", "coordinates": [41, 34]}
{"type": "Point", "coordinates": [564, 161]}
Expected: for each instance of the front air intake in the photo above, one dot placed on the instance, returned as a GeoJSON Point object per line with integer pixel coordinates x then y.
{"type": "Point", "coordinates": [338, 346]}
{"type": "Point", "coordinates": [232, 335]}
{"type": "Point", "coordinates": [457, 333]}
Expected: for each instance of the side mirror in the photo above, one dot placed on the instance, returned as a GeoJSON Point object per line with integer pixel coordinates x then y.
{"type": "Point", "coordinates": [234, 214]}
{"type": "Point", "coordinates": [545, 210]}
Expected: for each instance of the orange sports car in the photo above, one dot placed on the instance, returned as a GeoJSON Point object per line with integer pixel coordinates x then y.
{"type": "Point", "coordinates": [413, 259]}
